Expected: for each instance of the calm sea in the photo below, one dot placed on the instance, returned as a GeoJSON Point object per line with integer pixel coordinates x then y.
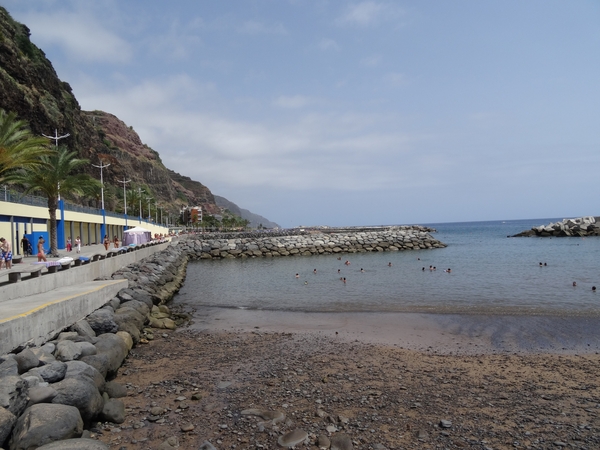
{"type": "Point", "coordinates": [490, 274]}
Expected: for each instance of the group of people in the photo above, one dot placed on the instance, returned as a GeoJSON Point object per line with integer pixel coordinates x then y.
{"type": "Point", "coordinates": [106, 242]}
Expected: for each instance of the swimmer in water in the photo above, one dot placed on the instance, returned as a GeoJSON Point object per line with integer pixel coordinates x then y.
{"type": "Point", "coordinates": [423, 269]}
{"type": "Point", "coordinates": [297, 276]}
{"type": "Point", "coordinates": [574, 283]}
{"type": "Point", "coordinates": [362, 270]}
{"type": "Point", "coordinates": [344, 280]}
{"type": "Point", "coordinates": [593, 288]}
{"type": "Point", "coordinates": [347, 263]}
{"type": "Point", "coordinates": [389, 264]}
{"type": "Point", "coordinates": [338, 270]}
{"type": "Point", "coordinates": [306, 282]}
{"type": "Point", "coordinates": [315, 271]}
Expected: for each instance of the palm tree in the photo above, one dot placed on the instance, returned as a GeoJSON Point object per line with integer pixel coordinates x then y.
{"type": "Point", "coordinates": [19, 148]}
{"type": "Point", "coordinates": [53, 179]}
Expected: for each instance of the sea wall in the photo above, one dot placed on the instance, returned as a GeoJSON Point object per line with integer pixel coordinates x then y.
{"type": "Point", "coordinates": [582, 226]}
{"type": "Point", "coordinates": [311, 243]}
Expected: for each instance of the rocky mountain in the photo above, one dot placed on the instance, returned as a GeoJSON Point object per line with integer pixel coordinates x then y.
{"type": "Point", "coordinates": [255, 219]}
{"type": "Point", "coordinates": [30, 87]}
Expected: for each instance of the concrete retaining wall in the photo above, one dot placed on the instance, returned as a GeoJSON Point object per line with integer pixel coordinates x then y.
{"type": "Point", "coordinates": [37, 318]}
{"type": "Point", "coordinates": [76, 275]}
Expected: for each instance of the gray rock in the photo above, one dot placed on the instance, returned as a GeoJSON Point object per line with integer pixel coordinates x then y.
{"type": "Point", "coordinates": [102, 321]}
{"type": "Point", "coordinates": [292, 438]}
{"type": "Point", "coordinates": [75, 444]}
{"type": "Point", "coordinates": [52, 372]}
{"type": "Point", "coordinates": [82, 370]}
{"type": "Point", "coordinates": [115, 348]}
{"type": "Point", "coordinates": [86, 348]}
{"type": "Point", "coordinates": [132, 329]}
{"type": "Point", "coordinates": [170, 443]}
{"type": "Point", "coordinates": [115, 303]}
{"type": "Point", "coordinates": [9, 368]}
{"type": "Point", "coordinates": [115, 390]}
{"type": "Point", "coordinates": [32, 380]}
{"type": "Point", "coordinates": [82, 328]}
{"type": "Point", "coordinates": [67, 335]}
{"type": "Point", "coordinates": [41, 394]}
{"type": "Point", "coordinates": [126, 314]}
{"type": "Point", "coordinates": [7, 422]}
{"type": "Point", "coordinates": [13, 394]}
{"type": "Point", "coordinates": [139, 306]}
{"type": "Point", "coordinates": [445, 423]}
{"type": "Point", "coordinates": [80, 393]}
{"type": "Point", "coordinates": [113, 411]}
{"type": "Point", "coordinates": [207, 446]}
{"type": "Point", "coordinates": [26, 360]}
{"type": "Point", "coordinates": [67, 350]}
{"type": "Point", "coordinates": [323, 441]}
{"type": "Point", "coordinates": [45, 423]}
{"type": "Point", "coordinates": [341, 441]}
{"type": "Point", "coordinates": [98, 362]}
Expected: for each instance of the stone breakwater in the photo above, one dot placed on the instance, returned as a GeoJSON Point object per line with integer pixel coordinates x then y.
{"type": "Point", "coordinates": [582, 226]}
{"type": "Point", "coordinates": [52, 395]}
{"type": "Point", "coordinates": [311, 243]}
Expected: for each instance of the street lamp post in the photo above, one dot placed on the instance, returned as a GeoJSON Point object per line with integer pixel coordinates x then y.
{"type": "Point", "coordinates": [149, 210]}
{"type": "Point", "coordinates": [124, 193]}
{"type": "Point", "coordinates": [103, 227]}
{"type": "Point", "coordinates": [102, 166]}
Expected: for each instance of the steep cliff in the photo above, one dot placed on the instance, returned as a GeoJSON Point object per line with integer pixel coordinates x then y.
{"type": "Point", "coordinates": [30, 87]}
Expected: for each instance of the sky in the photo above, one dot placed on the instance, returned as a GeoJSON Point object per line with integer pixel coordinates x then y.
{"type": "Point", "coordinates": [334, 112]}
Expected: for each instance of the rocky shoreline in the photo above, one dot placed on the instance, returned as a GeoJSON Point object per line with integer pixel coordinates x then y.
{"type": "Point", "coordinates": [312, 242]}
{"type": "Point", "coordinates": [53, 395]}
{"type": "Point", "coordinates": [579, 227]}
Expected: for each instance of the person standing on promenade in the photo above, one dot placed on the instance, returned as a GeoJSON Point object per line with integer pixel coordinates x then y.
{"type": "Point", "coordinates": [40, 248]}
{"type": "Point", "coordinates": [116, 242]}
{"type": "Point", "coordinates": [106, 242]}
{"type": "Point", "coordinates": [25, 245]}
{"type": "Point", "coordinates": [69, 245]}
{"type": "Point", "coordinates": [78, 244]}
{"type": "Point", "coordinates": [6, 256]}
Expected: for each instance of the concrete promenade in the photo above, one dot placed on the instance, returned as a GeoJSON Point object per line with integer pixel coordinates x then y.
{"type": "Point", "coordinates": [33, 310]}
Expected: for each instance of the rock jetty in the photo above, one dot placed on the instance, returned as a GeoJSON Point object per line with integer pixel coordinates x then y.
{"type": "Point", "coordinates": [314, 242]}
{"type": "Point", "coordinates": [582, 226]}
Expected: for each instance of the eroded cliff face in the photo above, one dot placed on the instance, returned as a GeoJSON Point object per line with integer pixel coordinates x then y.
{"type": "Point", "coordinates": [30, 87]}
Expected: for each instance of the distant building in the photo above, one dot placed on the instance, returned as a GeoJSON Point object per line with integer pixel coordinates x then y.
{"type": "Point", "coordinates": [191, 215]}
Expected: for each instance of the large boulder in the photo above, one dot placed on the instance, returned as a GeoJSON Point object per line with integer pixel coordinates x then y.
{"type": "Point", "coordinates": [115, 348]}
{"type": "Point", "coordinates": [7, 422]}
{"type": "Point", "coordinates": [45, 423]}
{"type": "Point", "coordinates": [51, 373]}
{"type": "Point", "coordinates": [82, 370]}
{"type": "Point", "coordinates": [98, 362]}
{"type": "Point", "coordinates": [26, 360]}
{"type": "Point", "coordinates": [13, 394]}
{"type": "Point", "coordinates": [130, 315]}
{"type": "Point", "coordinates": [80, 393]}
{"type": "Point", "coordinates": [83, 328]}
{"type": "Point", "coordinates": [10, 367]}
{"type": "Point", "coordinates": [67, 351]}
{"type": "Point", "coordinates": [102, 321]}
{"type": "Point", "coordinates": [113, 411]}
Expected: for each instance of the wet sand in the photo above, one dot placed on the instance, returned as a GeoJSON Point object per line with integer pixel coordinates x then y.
{"type": "Point", "coordinates": [441, 333]}
{"type": "Point", "coordinates": [400, 381]}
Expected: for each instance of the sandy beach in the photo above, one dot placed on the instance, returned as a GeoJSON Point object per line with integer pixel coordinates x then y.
{"type": "Point", "coordinates": [351, 382]}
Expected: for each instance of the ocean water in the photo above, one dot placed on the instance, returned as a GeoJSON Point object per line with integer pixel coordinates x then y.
{"type": "Point", "coordinates": [490, 274]}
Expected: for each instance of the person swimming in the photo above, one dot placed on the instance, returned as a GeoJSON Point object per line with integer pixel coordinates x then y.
{"type": "Point", "coordinates": [389, 264]}
{"type": "Point", "coordinates": [362, 270]}
{"type": "Point", "coordinates": [297, 276]}
{"type": "Point", "coordinates": [315, 271]}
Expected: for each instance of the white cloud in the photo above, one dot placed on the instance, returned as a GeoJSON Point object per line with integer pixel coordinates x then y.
{"type": "Point", "coordinates": [82, 36]}
{"type": "Point", "coordinates": [328, 44]}
{"type": "Point", "coordinates": [368, 13]}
